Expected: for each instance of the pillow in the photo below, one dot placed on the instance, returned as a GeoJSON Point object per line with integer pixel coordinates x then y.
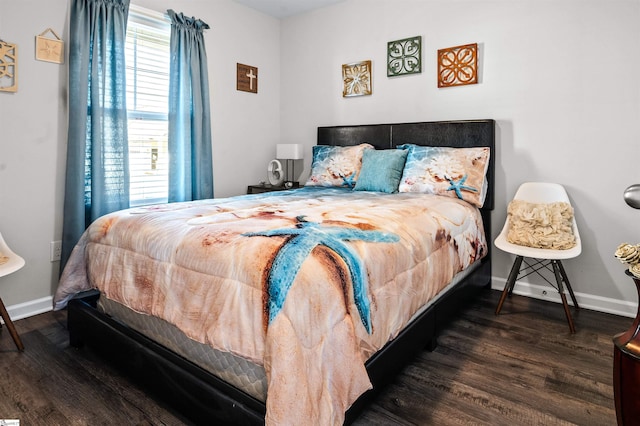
{"type": "Point", "coordinates": [336, 165]}
{"type": "Point", "coordinates": [453, 172]}
{"type": "Point", "coordinates": [547, 226]}
{"type": "Point", "coordinates": [381, 170]}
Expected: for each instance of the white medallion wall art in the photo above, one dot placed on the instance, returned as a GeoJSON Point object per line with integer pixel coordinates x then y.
{"type": "Point", "coordinates": [356, 79]}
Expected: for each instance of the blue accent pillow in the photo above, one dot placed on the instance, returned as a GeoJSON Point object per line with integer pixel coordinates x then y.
{"type": "Point", "coordinates": [381, 170]}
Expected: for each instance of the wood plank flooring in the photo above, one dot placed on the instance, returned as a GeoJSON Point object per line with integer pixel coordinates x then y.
{"type": "Point", "coordinates": [522, 367]}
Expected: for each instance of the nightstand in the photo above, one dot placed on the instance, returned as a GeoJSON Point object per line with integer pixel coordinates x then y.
{"type": "Point", "coordinates": [259, 189]}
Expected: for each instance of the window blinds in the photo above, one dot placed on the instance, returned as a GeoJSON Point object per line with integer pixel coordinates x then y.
{"type": "Point", "coordinates": [147, 63]}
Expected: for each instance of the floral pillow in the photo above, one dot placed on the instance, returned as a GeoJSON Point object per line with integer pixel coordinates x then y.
{"type": "Point", "coordinates": [336, 165]}
{"type": "Point", "coordinates": [453, 172]}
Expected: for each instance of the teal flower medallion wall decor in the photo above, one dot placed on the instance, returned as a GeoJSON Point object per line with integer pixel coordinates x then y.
{"type": "Point", "coordinates": [404, 56]}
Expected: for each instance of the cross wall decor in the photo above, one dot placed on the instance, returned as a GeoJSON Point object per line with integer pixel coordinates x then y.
{"type": "Point", "coordinates": [247, 78]}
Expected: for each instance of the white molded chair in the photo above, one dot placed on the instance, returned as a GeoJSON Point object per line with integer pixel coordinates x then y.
{"type": "Point", "coordinates": [539, 192]}
{"type": "Point", "coordinates": [11, 265]}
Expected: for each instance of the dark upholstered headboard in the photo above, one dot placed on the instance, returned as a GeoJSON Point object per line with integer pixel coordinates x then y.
{"type": "Point", "coordinates": [459, 134]}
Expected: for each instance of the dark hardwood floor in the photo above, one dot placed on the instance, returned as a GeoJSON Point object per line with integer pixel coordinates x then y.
{"type": "Point", "coordinates": [522, 367]}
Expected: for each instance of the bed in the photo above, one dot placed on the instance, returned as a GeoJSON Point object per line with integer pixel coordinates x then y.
{"type": "Point", "coordinates": [289, 311]}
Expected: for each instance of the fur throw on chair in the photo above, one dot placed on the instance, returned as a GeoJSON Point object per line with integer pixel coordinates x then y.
{"type": "Point", "coordinates": [547, 226]}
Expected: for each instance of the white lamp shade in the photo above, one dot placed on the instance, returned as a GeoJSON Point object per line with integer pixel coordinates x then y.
{"type": "Point", "coordinates": [289, 151]}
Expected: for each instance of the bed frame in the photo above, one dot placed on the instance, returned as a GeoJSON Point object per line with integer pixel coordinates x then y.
{"type": "Point", "coordinates": [201, 398]}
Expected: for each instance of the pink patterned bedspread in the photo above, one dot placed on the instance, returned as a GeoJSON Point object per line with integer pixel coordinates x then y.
{"type": "Point", "coordinates": [308, 283]}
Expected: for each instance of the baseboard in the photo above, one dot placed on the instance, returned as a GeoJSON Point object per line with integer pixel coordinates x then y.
{"type": "Point", "coordinates": [587, 301]}
{"type": "Point", "coordinates": [542, 292]}
{"type": "Point", "coordinates": [30, 308]}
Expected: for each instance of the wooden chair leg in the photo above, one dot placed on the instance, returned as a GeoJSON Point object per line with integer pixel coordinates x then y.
{"type": "Point", "coordinates": [566, 281]}
{"type": "Point", "coordinates": [10, 327]}
{"type": "Point", "coordinates": [511, 282]}
{"type": "Point", "coordinates": [567, 312]}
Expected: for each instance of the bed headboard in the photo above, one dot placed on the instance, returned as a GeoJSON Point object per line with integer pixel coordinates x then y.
{"type": "Point", "coordinates": [459, 134]}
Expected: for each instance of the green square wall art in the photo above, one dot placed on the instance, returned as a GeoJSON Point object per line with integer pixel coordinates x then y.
{"type": "Point", "coordinates": [404, 56]}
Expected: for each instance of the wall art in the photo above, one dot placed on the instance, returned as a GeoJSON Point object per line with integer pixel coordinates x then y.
{"type": "Point", "coordinates": [247, 78]}
{"type": "Point", "coordinates": [458, 65]}
{"type": "Point", "coordinates": [8, 67]}
{"type": "Point", "coordinates": [404, 56]}
{"type": "Point", "coordinates": [356, 78]}
{"type": "Point", "coordinates": [49, 49]}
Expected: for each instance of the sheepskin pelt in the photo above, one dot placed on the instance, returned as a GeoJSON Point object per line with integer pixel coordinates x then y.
{"type": "Point", "coordinates": [547, 226]}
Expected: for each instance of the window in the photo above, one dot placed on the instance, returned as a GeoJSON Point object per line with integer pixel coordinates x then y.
{"type": "Point", "coordinates": [147, 61]}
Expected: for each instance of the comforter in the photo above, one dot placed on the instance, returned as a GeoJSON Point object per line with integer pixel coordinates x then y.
{"type": "Point", "coordinates": [308, 283]}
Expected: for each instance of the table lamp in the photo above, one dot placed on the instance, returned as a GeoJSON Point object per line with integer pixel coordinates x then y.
{"type": "Point", "coordinates": [289, 152]}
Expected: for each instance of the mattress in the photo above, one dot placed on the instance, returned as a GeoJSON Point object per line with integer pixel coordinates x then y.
{"type": "Point", "coordinates": [237, 371]}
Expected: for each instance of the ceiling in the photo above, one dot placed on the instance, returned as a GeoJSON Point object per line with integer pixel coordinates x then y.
{"type": "Point", "coordinates": [285, 8]}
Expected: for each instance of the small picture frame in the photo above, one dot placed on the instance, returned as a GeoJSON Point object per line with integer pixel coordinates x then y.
{"type": "Point", "coordinates": [49, 49]}
{"type": "Point", "coordinates": [458, 66]}
{"type": "Point", "coordinates": [246, 78]}
{"type": "Point", "coordinates": [8, 67]}
{"type": "Point", "coordinates": [404, 56]}
{"type": "Point", "coordinates": [356, 78]}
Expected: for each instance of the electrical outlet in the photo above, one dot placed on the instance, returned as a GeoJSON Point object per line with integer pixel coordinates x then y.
{"type": "Point", "coordinates": [55, 251]}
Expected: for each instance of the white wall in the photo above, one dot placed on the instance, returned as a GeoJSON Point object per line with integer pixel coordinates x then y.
{"type": "Point", "coordinates": [246, 127]}
{"type": "Point", "coordinates": [560, 78]}
{"type": "Point", "coordinates": [32, 151]}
